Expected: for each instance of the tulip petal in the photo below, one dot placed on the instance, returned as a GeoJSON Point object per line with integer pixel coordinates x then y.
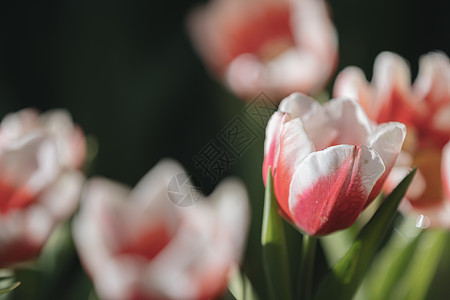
{"type": "Point", "coordinates": [392, 81]}
{"type": "Point", "coordinates": [295, 146]}
{"type": "Point", "coordinates": [315, 21]}
{"type": "Point", "coordinates": [441, 119]}
{"type": "Point", "coordinates": [103, 202]}
{"type": "Point", "coordinates": [351, 82]}
{"type": "Point", "coordinates": [294, 70]}
{"type": "Point", "coordinates": [432, 80]}
{"type": "Point", "coordinates": [387, 141]}
{"type": "Point", "coordinates": [61, 199]}
{"type": "Point", "coordinates": [272, 45]}
{"type": "Point", "coordinates": [316, 34]}
{"type": "Point", "coordinates": [298, 105]}
{"type": "Point", "coordinates": [347, 117]}
{"type": "Point", "coordinates": [445, 169]}
{"type": "Point", "coordinates": [313, 116]}
{"type": "Point", "coordinates": [347, 274]}
{"type": "Point", "coordinates": [232, 215]}
{"type": "Point", "coordinates": [390, 71]}
{"type": "Point", "coordinates": [330, 188]}
{"type": "Point", "coordinates": [272, 142]}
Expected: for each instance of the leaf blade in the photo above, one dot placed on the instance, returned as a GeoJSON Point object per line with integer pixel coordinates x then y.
{"type": "Point", "coordinates": [274, 249]}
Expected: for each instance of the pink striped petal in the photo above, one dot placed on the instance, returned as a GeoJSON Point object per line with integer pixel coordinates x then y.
{"type": "Point", "coordinates": [272, 142]}
{"type": "Point", "coordinates": [445, 170]}
{"type": "Point", "coordinates": [295, 146]}
{"type": "Point", "coordinates": [330, 188]}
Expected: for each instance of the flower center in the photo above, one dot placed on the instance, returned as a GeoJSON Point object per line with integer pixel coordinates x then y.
{"type": "Point", "coordinates": [149, 243]}
{"type": "Point", "coordinates": [13, 198]}
{"type": "Point", "coordinates": [266, 35]}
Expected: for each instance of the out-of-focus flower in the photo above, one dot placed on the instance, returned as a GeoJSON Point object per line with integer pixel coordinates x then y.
{"type": "Point", "coordinates": [277, 46]}
{"type": "Point", "coordinates": [425, 108]}
{"type": "Point", "coordinates": [329, 162]}
{"type": "Point", "coordinates": [136, 244]}
{"type": "Point", "coordinates": [39, 181]}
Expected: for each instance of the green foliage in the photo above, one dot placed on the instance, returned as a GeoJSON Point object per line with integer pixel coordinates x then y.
{"type": "Point", "coordinates": [240, 286]}
{"type": "Point", "coordinates": [273, 241]}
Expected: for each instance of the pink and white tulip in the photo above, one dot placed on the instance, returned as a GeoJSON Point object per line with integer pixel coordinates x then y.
{"type": "Point", "coordinates": [276, 46]}
{"type": "Point", "coordinates": [329, 162]}
{"type": "Point", "coordinates": [424, 107]}
{"type": "Point", "coordinates": [136, 244]}
{"type": "Point", "coordinates": [39, 180]}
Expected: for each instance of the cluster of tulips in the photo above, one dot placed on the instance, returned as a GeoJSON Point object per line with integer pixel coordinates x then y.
{"type": "Point", "coordinates": [324, 164]}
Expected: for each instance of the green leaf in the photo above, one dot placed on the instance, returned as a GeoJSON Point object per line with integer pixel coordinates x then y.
{"type": "Point", "coordinates": [6, 277]}
{"type": "Point", "coordinates": [415, 284]}
{"type": "Point", "coordinates": [335, 245]}
{"type": "Point", "coordinates": [240, 286]}
{"type": "Point", "coordinates": [9, 288]}
{"type": "Point", "coordinates": [273, 243]}
{"type": "Point", "coordinates": [393, 261]}
{"type": "Point", "coordinates": [346, 276]}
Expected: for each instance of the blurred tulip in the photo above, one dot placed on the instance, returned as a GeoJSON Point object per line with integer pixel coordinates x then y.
{"type": "Point", "coordinates": [276, 46]}
{"type": "Point", "coordinates": [136, 244]}
{"type": "Point", "coordinates": [425, 108]}
{"type": "Point", "coordinates": [39, 183]}
{"type": "Point", "coordinates": [329, 162]}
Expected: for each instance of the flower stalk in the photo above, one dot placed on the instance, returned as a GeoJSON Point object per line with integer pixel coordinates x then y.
{"type": "Point", "coordinates": [307, 267]}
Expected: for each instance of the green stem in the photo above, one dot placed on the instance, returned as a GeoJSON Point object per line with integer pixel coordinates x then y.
{"type": "Point", "coordinates": [273, 241]}
{"type": "Point", "coordinates": [307, 267]}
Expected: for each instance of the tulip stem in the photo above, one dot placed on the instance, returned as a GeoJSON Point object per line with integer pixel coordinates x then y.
{"type": "Point", "coordinates": [307, 267]}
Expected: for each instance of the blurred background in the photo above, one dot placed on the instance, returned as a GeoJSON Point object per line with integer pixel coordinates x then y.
{"type": "Point", "coordinates": [127, 72]}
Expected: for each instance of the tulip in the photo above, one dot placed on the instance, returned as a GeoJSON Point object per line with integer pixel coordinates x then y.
{"type": "Point", "coordinates": [136, 244]}
{"type": "Point", "coordinates": [424, 107]}
{"type": "Point", "coordinates": [329, 162]}
{"type": "Point", "coordinates": [39, 180]}
{"type": "Point", "coordinates": [276, 46]}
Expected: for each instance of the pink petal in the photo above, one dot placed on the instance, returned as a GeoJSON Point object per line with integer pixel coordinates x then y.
{"type": "Point", "coordinates": [295, 146]}
{"type": "Point", "coordinates": [316, 34]}
{"type": "Point", "coordinates": [62, 197]}
{"type": "Point", "coordinates": [432, 82]}
{"type": "Point", "coordinates": [351, 83]}
{"type": "Point", "coordinates": [15, 125]}
{"type": "Point", "coordinates": [272, 142]}
{"type": "Point", "coordinates": [445, 170]}
{"type": "Point", "coordinates": [392, 82]}
{"type": "Point", "coordinates": [330, 188]}
{"type": "Point", "coordinates": [273, 45]}
{"type": "Point", "coordinates": [441, 118]}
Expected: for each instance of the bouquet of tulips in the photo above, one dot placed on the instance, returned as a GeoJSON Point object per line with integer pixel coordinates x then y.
{"type": "Point", "coordinates": [354, 197]}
